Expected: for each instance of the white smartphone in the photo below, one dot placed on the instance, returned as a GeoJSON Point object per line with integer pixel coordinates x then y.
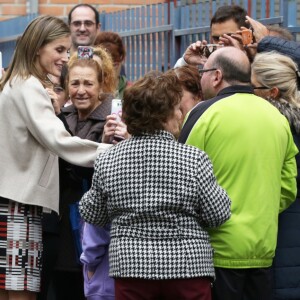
{"type": "Point", "coordinates": [116, 108]}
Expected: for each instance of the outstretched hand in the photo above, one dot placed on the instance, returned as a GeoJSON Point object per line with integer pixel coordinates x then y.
{"type": "Point", "coordinates": [233, 40]}
{"type": "Point", "coordinates": [259, 29]}
{"type": "Point", "coordinates": [54, 100]}
{"type": "Point", "coordinates": [194, 54]}
{"type": "Point", "coordinates": [236, 40]}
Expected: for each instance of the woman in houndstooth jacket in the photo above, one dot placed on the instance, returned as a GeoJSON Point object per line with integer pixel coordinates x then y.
{"type": "Point", "coordinates": [159, 196]}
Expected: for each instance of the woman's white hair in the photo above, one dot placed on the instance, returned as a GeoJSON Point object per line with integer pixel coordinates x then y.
{"type": "Point", "coordinates": [272, 69]}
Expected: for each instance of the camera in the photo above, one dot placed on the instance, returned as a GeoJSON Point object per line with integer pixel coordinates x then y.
{"type": "Point", "coordinates": [210, 48]}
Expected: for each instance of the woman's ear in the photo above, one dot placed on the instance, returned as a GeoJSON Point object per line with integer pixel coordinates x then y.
{"type": "Point", "coordinates": [275, 92]}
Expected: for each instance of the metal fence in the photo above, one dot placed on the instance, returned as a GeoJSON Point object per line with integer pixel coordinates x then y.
{"type": "Point", "coordinates": [155, 36]}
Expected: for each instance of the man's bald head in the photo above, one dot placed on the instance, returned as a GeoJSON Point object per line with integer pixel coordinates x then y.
{"type": "Point", "coordinates": [233, 63]}
{"type": "Point", "coordinates": [225, 67]}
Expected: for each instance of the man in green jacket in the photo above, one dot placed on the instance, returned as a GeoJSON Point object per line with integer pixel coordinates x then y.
{"type": "Point", "coordinates": [253, 155]}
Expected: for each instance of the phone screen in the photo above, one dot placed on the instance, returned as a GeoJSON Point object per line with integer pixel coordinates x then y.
{"type": "Point", "coordinates": [116, 108]}
{"type": "Point", "coordinates": [85, 52]}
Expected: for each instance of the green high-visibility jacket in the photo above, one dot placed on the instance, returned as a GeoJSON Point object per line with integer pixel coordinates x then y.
{"type": "Point", "coordinates": [253, 154]}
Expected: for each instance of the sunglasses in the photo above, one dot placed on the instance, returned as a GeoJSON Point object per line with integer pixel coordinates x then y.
{"type": "Point", "coordinates": [217, 37]}
{"type": "Point", "coordinates": [260, 87]}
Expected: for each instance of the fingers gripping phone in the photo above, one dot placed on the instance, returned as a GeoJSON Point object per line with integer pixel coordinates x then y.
{"type": "Point", "coordinates": [85, 52]}
{"type": "Point", "coordinates": [116, 109]}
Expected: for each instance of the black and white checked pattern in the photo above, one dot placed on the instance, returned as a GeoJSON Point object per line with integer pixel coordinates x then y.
{"type": "Point", "coordinates": [159, 195]}
{"type": "Point", "coordinates": [20, 246]}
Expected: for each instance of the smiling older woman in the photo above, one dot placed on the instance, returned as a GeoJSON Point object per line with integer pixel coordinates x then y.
{"type": "Point", "coordinates": [159, 196]}
{"type": "Point", "coordinates": [86, 118]}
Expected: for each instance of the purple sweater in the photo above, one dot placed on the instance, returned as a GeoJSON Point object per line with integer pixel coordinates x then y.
{"type": "Point", "coordinates": [95, 258]}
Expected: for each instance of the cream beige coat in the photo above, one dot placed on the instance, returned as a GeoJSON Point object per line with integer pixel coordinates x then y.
{"type": "Point", "coordinates": [31, 139]}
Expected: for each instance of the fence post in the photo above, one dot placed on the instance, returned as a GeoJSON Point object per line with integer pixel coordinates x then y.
{"type": "Point", "coordinates": [173, 45]}
{"type": "Point", "coordinates": [289, 13]}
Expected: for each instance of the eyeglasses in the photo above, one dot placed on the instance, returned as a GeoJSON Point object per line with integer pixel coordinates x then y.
{"type": "Point", "coordinates": [260, 87]}
{"type": "Point", "coordinates": [201, 71]}
{"type": "Point", "coordinates": [87, 24]}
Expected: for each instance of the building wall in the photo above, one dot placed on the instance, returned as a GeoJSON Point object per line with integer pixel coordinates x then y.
{"type": "Point", "coordinates": [60, 8]}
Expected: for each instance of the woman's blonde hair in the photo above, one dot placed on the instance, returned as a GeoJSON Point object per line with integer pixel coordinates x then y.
{"type": "Point", "coordinates": [40, 32]}
{"type": "Point", "coordinates": [272, 69]}
{"type": "Point", "coordinates": [109, 81]}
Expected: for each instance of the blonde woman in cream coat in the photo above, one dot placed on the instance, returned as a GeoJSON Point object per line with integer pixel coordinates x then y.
{"type": "Point", "coordinates": [31, 139]}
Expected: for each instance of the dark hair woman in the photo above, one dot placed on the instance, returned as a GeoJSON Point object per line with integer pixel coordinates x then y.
{"type": "Point", "coordinates": [159, 196]}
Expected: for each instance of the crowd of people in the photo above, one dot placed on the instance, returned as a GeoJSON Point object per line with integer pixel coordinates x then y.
{"type": "Point", "coordinates": [199, 199]}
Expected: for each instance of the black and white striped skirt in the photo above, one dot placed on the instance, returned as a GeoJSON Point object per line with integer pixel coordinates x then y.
{"type": "Point", "coordinates": [20, 246]}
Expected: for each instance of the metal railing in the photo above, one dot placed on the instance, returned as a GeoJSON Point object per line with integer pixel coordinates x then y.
{"type": "Point", "coordinates": [155, 36]}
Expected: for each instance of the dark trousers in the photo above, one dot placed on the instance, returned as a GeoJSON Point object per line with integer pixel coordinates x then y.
{"type": "Point", "coordinates": [50, 253]}
{"type": "Point", "coordinates": [68, 285]}
{"type": "Point", "coordinates": [243, 284]}
{"type": "Point", "coordinates": [171, 289]}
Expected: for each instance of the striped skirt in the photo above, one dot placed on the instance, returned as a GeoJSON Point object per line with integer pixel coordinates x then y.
{"type": "Point", "coordinates": [20, 246]}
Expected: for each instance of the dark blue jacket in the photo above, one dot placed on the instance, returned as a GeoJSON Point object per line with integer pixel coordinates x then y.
{"type": "Point", "coordinates": [286, 264]}
{"type": "Point", "coordinates": [289, 48]}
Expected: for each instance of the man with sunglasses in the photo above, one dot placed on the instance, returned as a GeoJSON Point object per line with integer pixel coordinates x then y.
{"type": "Point", "coordinates": [84, 24]}
{"type": "Point", "coordinates": [253, 155]}
{"type": "Point", "coordinates": [228, 19]}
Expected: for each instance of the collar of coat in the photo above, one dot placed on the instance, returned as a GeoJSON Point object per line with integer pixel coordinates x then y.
{"type": "Point", "coordinates": [157, 134]}
{"type": "Point", "coordinates": [290, 111]}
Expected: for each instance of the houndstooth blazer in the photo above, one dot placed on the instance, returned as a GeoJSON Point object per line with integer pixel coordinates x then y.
{"type": "Point", "coordinates": [159, 196]}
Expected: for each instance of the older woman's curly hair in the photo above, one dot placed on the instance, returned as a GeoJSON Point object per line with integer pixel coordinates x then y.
{"type": "Point", "coordinates": [190, 79]}
{"type": "Point", "coordinates": [150, 102]}
{"type": "Point", "coordinates": [106, 66]}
